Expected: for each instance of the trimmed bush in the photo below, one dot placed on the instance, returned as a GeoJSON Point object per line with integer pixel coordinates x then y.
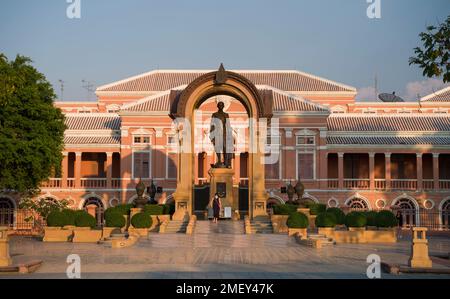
{"type": "Point", "coordinates": [356, 219]}
{"type": "Point", "coordinates": [57, 219]}
{"type": "Point", "coordinates": [285, 209]}
{"type": "Point", "coordinates": [84, 219]}
{"type": "Point", "coordinates": [154, 209]}
{"type": "Point", "coordinates": [386, 219]}
{"type": "Point", "coordinates": [141, 220]}
{"type": "Point", "coordinates": [317, 208]}
{"type": "Point", "coordinates": [71, 215]}
{"type": "Point", "coordinates": [338, 213]}
{"type": "Point", "coordinates": [114, 219]}
{"type": "Point", "coordinates": [371, 218]}
{"type": "Point", "coordinates": [326, 220]}
{"type": "Point", "coordinates": [297, 220]}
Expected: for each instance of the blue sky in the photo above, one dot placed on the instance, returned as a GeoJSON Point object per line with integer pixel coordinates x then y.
{"type": "Point", "coordinates": [115, 39]}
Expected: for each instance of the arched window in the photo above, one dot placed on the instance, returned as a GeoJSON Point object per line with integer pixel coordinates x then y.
{"type": "Point", "coordinates": [406, 212]}
{"type": "Point", "coordinates": [6, 211]}
{"type": "Point", "coordinates": [357, 204]}
{"type": "Point", "coordinates": [445, 215]}
{"type": "Point", "coordinates": [99, 211]}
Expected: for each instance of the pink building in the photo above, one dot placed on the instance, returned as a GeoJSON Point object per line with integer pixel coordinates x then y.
{"type": "Point", "coordinates": [370, 155]}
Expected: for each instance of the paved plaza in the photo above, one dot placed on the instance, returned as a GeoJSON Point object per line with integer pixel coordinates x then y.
{"type": "Point", "coordinates": [216, 256]}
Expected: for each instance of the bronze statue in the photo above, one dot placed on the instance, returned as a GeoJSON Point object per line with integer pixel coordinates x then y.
{"type": "Point", "coordinates": [221, 128]}
{"type": "Point", "coordinates": [140, 201]}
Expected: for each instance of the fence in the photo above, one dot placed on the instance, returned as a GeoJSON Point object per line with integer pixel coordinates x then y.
{"type": "Point", "coordinates": [21, 222]}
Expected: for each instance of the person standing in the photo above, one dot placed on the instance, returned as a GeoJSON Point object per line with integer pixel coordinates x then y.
{"type": "Point", "coordinates": [217, 206]}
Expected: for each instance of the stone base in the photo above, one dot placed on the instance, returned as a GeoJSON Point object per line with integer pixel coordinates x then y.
{"type": "Point", "coordinates": [25, 268]}
{"type": "Point", "coordinates": [224, 176]}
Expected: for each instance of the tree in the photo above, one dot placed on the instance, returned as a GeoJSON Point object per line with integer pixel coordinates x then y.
{"type": "Point", "coordinates": [433, 59]}
{"type": "Point", "coordinates": [31, 128]}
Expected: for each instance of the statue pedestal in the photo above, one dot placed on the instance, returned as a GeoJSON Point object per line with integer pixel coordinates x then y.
{"type": "Point", "coordinates": [222, 183]}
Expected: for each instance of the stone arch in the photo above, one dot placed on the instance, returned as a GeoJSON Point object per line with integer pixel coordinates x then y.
{"type": "Point", "coordinates": [358, 201]}
{"type": "Point", "coordinates": [444, 213]}
{"type": "Point", "coordinates": [306, 195]}
{"type": "Point", "coordinates": [408, 209]}
{"type": "Point", "coordinates": [48, 195]}
{"type": "Point", "coordinates": [8, 210]}
{"type": "Point", "coordinates": [85, 199]}
{"type": "Point", "coordinates": [11, 200]}
{"type": "Point", "coordinates": [132, 198]}
{"type": "Point", "coordinates": [275, 199]}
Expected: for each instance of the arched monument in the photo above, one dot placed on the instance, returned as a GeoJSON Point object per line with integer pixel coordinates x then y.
{"type": "Point", "coordinates": [183, 106]}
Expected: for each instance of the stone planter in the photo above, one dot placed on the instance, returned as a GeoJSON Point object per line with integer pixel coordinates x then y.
{"type": "Point", "coordinates": [356, 229]}
{"type": "Point", "coordinates": [57, 234]}
{"type": "Point", "coordinates": [69, 227]}
{"type": "Point", "coordinates": [326, 231]}
{"type": "Point", "coordinates": [108, 230]}
{"type": "Point", "coordinates": [301, 231]}
{"type": "Point", "coordinates": [86, 235]}
{"type": "Point", "coordinates": [312, 221]}
{"type": "Point", "coordinates": [279, 223]}
{"type": "Point", "coordinates": [142, 232]}
{"type": "Point", "coordinates": [304, 211]}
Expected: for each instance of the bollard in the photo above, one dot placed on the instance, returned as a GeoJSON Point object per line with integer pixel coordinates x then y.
{"type": "Point", "coordinates": [5, 259]}
{"type": "Point", "coordinates": [419, 249]}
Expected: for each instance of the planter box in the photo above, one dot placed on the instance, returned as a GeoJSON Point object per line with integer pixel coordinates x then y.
{"type": "Point", "coordinates": [108, 230]}
{"type": "Point", "coordinates": [301, 231]}
{"type": "Point", "coordinates": [381, 236]}
{"type": "Point", "coordinates": [353, 237]}
{"type": "Point", "coordinates": [142, 232]}
{"type": "Point", "coordinates": [86, 235]}
{"type": "Point", "coordinates": [57, 234]}
{"type": "Point", "coordinates": [304, 211]}
{"type": "Point", "coordinates": [326, 231]}
{"type": "Point", "coordinates": [279, 223]}
{"type": "Point", "coordinates": [356, 229]}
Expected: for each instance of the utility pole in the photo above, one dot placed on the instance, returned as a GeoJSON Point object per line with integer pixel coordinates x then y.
{"type": "Point", "coordinates": [89, 88]}
{"type": "Point", "coordinates": [61, 82]}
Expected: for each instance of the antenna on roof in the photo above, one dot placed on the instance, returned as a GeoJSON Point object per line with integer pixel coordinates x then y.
{"type": "Point", "coordinates": [61, 83]}
{"type": "Point", "coordinates": [89, 88]}
{"type": "Point", "coordinates": [376, 86]}
{"type": "Point", "coordinates": [387, 97]}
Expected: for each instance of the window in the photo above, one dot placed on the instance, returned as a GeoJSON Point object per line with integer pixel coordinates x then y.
{"type": "Point", "coordinates": [172, 159]}
{"type": "Point", "coordinates": [141, 165]}
{"type": "Point", "coordinates": [272, 170]}
{"type": "Point", "coordinates": [141, 139]}
{"type": "Point", "coordinates": [305, 166]}
{"type": "Point", "coordinates": [171, 140]}
{"type": "Point", "coordinates": [306, 140]}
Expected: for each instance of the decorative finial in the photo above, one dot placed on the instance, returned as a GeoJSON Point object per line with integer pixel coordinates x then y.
{"type": "Point", "coordinates": [221, 75]}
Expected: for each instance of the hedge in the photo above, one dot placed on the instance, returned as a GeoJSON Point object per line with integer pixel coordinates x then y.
{"type": "Point", "coordinates": [297, 220]}
{"type": "Point", "coordinates": [284, 209]}
{"type": "Point", "coordinates": [371, 218]}
{"type": "Point", "coordinates": [326, 220]}
{"type": "Point", "coordinates": [84, 219]}
{"type": "Point", "coordinates": [154, 209]}
{"type": "Point", "coordinates": [317, 208]}
{"type": "Point", "coordinates": [71, 215]}
{"type": "Point", "coordinates": [57, 219]}
{"type": "Point", "coordinates": [386, 219]}
{"type": "Point", "coordinates": [355, 219]}
{"type": "Point", "coordinates": [114, 219]}
{"type": "Point", "coordinates": [141, 220]}
{"type": "Point", "coordinates": [338, 213]}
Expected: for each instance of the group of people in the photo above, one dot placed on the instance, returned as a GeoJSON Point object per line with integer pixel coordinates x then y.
{"type": "Point", "coordinates": [214, 208]}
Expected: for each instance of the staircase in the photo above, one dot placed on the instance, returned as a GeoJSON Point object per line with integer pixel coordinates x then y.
{"type": "Point", "coordinates": [176, 226]}
{"type": "Point", "coordinates": [261, 225]}
{"type": "Point", "coordinates": [317, 241]}
{"type": "Point", "coordinates": [222, 227]}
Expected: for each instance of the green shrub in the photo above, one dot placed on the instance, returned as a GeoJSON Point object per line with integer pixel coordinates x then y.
{"type": "Point", "coordinates": [338, 213]}
{"type": "Point", "coordinates": [57, 219]}
{"type": "Point", "coordinates": [84, 219]}
{"type": "Point", "coordinates": [154, 209]}
{"type": "Point", "coordinates": [386, 219]}
{"type": "Point", "coordinates": [114, 219]}
{"type": "Point", "coordinates": [356, 219]}
{"type": "Point", "coordinates": [285, 209]}
{"type": "Point", "coordinates": [71, 215]}
{"type": "Point", "coordinates": [326, 220]}
{"type": "Point", "coordinates": [297, 220]}
{"type": "Point", "coordinates": [371, 218]}
{"type": "Point", "coordinates": [167, 209]}
{"type": "Point", "coordinates": [317, 208]}
{"type": "Point", "coordinates": [141, 220]}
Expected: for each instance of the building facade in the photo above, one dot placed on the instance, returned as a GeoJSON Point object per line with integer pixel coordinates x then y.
{"type": "Point", "coordinates": [368, 155]}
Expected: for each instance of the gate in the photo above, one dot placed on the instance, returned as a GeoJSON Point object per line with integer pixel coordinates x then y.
{"type": "Point", "coordinates": [201, 199]}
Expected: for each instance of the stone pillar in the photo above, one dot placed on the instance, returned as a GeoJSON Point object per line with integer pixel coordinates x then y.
{"type": "Point", "coordinates": [419, 249]}
{"type": "Point", "coordinates": [108, 166]}
{"type": "Point", "coordinates": [78, 169]}
{"type": "Point", "coordinates": [64, 170]}
{"type": "Point", "coordinates": [419, 172]}
{"type": "Point", "coordinates": [323, 173]}
{"type": "Point", "coordinates": [237, 168]}
{"type": "Point", "coordinates": [372, 171]}
{"type": "Point", "coordinates": [5, 259]}
{"type": "Point", "coordinates": [341, 171]}
{"type": "Point", "coordinates": [436, 171]}
{"type": "Point", "coordinates": [387, 160]}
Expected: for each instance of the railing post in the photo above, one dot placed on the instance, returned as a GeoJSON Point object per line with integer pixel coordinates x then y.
{"type": "Point", "coordinates": [419, 172]}
{"type": "Point", "coordinates": [341, 171]}
{"type": "Point", "coordinates": [78, 169]}
{"type": "Point", "coordinates": [109, 170]}
{"type": "Point", "coordinates": [371, 171]}
{"type": "Point", "coordinates": [436, 171]}
{"type": "Point", "coordinates": [387, 160]}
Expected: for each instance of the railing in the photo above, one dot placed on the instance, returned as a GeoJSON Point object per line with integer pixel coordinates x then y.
{"type": "Point", "coordinates": [21, 222]}
{"type": "Point", "coordinates": [404, 184]}
{"type": "Point", "coordinates": [116, 183]}
{"type": "Point", "coordinates": [433, 220]}
{"type": "Point", "coordinates": [52, 183]}
{"type": "Point", "coordinates": [93, 183]}
{"type": "Point", "coordinates": [333, 183]}
{"type": "Point", "coordinates": [428, 184]}
{"type": "Point", "coordinates": [444, 184]}
{"type": "Point", "coordinates": [243, 182]}
{"type": "Point", "coordinates": [70, 183]}
{"type": "Point", "coordinates": [380, 184]}
{"type": "Point", "coordinates": [356, 183]}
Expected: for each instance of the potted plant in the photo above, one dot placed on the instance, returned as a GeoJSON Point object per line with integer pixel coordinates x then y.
{"type": "Point", "coordinates": [140, 224]}
{"type": "Point", "coordinates": [298, 223]}
{"type": "Point", "coordinates": [386, 220]}
{"type": "Point", "coordinates": [158, 213]}
{"type": "Point", "coordinates": [371, 220]}
{"type": "Point", "coordinates": [280, 216]}
{"type": "Point", "coordinates": [356, 221]}
{"type": "Point", "coordinates": [84, 232]}
{"type": "Point", "coordinates": [326, 223]}
{"type": "Point", "coordinates": [56, 220]}
{"type": "Point", "coordinates": [339, 214]}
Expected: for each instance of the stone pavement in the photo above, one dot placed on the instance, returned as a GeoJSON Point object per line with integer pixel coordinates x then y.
{"type": "Point", "coordinates": [215, 256]}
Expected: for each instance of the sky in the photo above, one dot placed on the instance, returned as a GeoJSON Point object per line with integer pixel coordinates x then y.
{"type": "Point", "coordinates": [116, 39]}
